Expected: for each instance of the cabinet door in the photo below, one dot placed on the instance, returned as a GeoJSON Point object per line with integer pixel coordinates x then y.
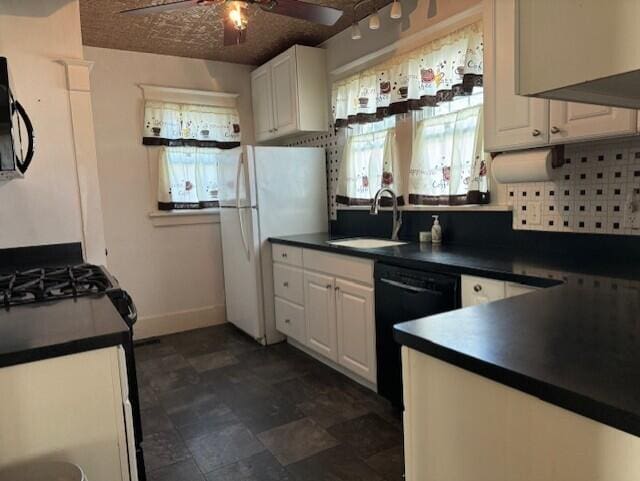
{"type": "Point", "coordinates": [511, 121]}
{"type": "Point", "coordinates": [69, 407]}
{"type": "Point", "coordinates": [478, 290]}
{"type": "Point", "coordinates": [320, 314]}
{"type": "Point", "coordinates": [261, 94]}
{"type": "Point", "coordinates": [356, 330]}
{"type": "Point", "coordinates": [574, 121]}
{"type": "Point", "coordinates": [285, 92]}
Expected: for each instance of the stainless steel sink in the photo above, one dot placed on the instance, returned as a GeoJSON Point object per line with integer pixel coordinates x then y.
{"type": "Point", "coordinates": [365, 243]}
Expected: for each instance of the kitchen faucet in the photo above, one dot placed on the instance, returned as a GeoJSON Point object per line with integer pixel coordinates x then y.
{"type": "Point", "coordinates": [397, 214]}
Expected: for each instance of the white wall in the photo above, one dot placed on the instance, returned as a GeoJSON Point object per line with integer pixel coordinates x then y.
{"type": "Point", "coordinates": [43, 208]}
{"type": "Point", "coordinates": [174, 273]}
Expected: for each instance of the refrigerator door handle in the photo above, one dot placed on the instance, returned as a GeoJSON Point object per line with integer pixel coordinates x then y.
{"type": "Point", "coordinates": [240, 220]}
{"type": "Point", "coordinates": [240, 162]}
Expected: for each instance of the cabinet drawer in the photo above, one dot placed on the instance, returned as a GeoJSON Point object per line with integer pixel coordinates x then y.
{"type": "Point", "coordinates": [480, 290]}
{"type": "Point", "coordinates": [352, 268]}
{"type": "Point", "coordinates": [290, 319]}
{"type": "Point", "coordinates": [287, 254]}
{"type": "Point", "coordinates": [287, 282]}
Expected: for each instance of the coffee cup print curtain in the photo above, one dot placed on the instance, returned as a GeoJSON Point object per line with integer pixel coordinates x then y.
{"type": "Point", "coordinates": [436, 72]}
{"type": "Point", "coordinates": [173, 124]}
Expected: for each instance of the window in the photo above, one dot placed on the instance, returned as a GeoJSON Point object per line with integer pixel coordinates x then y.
{"type": "Point", "coordinates": [188, 178]}
{"type": "Point", "coordinates": [447, 165]}
{"type": "Point", "coordinates": [192, 137]}
{"type": "Point", "coordinates": [439, 87]}
{"type": "Point", "coordinates": [368, 162]}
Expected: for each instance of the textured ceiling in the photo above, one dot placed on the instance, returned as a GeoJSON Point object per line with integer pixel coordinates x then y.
{"type": "Point", "coordinates": [197, 31]}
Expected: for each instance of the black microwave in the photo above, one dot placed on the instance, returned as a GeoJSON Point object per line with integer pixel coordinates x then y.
{"type": "Point", "coordinates": [16, 130]}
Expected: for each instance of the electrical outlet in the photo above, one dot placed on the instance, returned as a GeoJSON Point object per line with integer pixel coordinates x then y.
{"type": "Point", "coordinates": [632, 213]}
{"type": "Point", "coordinates": [535, 213]}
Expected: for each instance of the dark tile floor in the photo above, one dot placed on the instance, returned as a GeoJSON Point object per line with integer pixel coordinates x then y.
{"type": "Point", "coordinates": [216, 406]}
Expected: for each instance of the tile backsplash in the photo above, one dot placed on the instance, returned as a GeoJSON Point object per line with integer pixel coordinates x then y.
{"type": "Point", "coordinates": [591, 193]}
{"type": "Point", "coordinates": [333, 142]}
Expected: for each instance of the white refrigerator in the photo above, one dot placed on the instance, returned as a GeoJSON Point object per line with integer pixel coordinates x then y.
{"type": "Point", "coordinates": [265, 192]}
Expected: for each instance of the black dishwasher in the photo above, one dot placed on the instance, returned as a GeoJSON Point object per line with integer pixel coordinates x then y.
{"type": "Point", "coordinates": [404, 294]}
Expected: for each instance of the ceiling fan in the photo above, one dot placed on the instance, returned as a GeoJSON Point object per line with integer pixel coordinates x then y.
{"type": "Point", "coordinates": [235, 22]}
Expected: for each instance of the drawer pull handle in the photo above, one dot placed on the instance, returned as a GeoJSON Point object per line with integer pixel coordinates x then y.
{"type": "Point", "coordinates": [337, 288]}
{"type": "Point", "coordinates": [555, 130]}
{"type": "Point", "coordinates": [284, 255]}
{"type": "Point", "coordinates": [329, 286]}
{"type": "Point", "coordinates": [287, 321]}
{"type": "Point", "coordinates": [285, 284]}
{"type": "Point", "coordinates": [477, 288]}
{"type": "Point", "coordinates": [536, 133]}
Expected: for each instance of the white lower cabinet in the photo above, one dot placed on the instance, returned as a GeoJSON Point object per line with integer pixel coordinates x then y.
{"type": "Point", "coordinates": [356, 328]}
{"type": "Point", "coordinates": [320, 314]}
{"type": "Point", "coordinates": [290, 319]}
{"type": "Point", "coordinates": [334, 314]}
{"type": "Point", "coordinates": [73, 408]}
{"type": "Point", "coordinates": [480, 290]}
{"type": "Point", "coordinates": [459, 426]}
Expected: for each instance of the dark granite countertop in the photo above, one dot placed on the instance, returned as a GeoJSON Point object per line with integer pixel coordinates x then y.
{"type": "Point", "coordinates": [38, 331]}
{"type": "Point", "coordinates": [575, 344]}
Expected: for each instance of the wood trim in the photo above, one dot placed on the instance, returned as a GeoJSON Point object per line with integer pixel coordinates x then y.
{"type": "Point", "coordinates": [185, 217]}
{"type": "Point", "coordinates": [152, 326]}
{"type": "Point", "coordinates": [188, 96]}
{"type": "Point", "coordinates": [158, 89]}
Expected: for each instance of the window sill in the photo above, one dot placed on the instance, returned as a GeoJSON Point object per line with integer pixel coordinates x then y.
{"type": "Point", "coordinates": [164, 218]}
{"type": "Point", "coordinates": [438, 208]}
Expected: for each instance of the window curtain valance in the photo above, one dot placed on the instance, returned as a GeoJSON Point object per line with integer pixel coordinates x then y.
{"type": "Point", "coordinates": [188, 178]}
{"type": "Point", "coordinates": [437, 72]}
{"type": "Point", "coordinates": [173, 124]}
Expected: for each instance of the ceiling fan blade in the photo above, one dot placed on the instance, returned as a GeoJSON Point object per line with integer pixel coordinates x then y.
{"type": "Point", "coordinates": [432, 11]}
{"type": "Point", "coordinates": [233, 36]}
{"type": "Point", "coordinates": [161, 7]}
{"type": "Point", "coordinates": [305, 11]}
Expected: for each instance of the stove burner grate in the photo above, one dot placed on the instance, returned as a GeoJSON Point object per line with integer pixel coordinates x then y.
{"type": "Point", "coordinates": [51, 283]}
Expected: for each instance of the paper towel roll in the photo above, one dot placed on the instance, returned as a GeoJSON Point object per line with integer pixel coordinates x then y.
{"type": "Point", "coordinates": [525, 166]}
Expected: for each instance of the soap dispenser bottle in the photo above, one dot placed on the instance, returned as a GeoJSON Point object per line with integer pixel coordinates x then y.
{"type": "Point", "coordinates": [436, 231]}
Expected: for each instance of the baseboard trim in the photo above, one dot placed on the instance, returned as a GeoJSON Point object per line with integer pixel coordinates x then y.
{"type": "Point", "coordinates": [333, 365]}
{"type": "Point", "coordinates": [173, 322]}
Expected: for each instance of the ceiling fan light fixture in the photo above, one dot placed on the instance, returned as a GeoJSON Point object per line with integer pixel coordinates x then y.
{"type": "Point", "coordinates": [374, 21]}
{"type": "Point", "coordinates": [238, 18]}
{"type": "Point", "coordinates": [356, 34]}
{"type": "Point", "coordinates": [396, 10]}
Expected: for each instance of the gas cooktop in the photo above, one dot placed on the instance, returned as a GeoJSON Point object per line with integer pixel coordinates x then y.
{"type": "Point", "coordinates": [52, 283]}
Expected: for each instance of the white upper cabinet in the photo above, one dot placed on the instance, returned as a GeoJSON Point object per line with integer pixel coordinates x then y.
{"type": "Point", "coordinates": [581, 51]}
{"type": "Point", "coordinates": [514, 122]}
{"type": "Point", "coordinates": [290, 94]}
{"type": "Point", "coordinates": [511, 121]}
{"type": "Point", "coordinates": [576, 121]}
{"type": "Point", "coordinates": [285, 92]}
{"type": "Point", "coordinates": [262, 105]}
